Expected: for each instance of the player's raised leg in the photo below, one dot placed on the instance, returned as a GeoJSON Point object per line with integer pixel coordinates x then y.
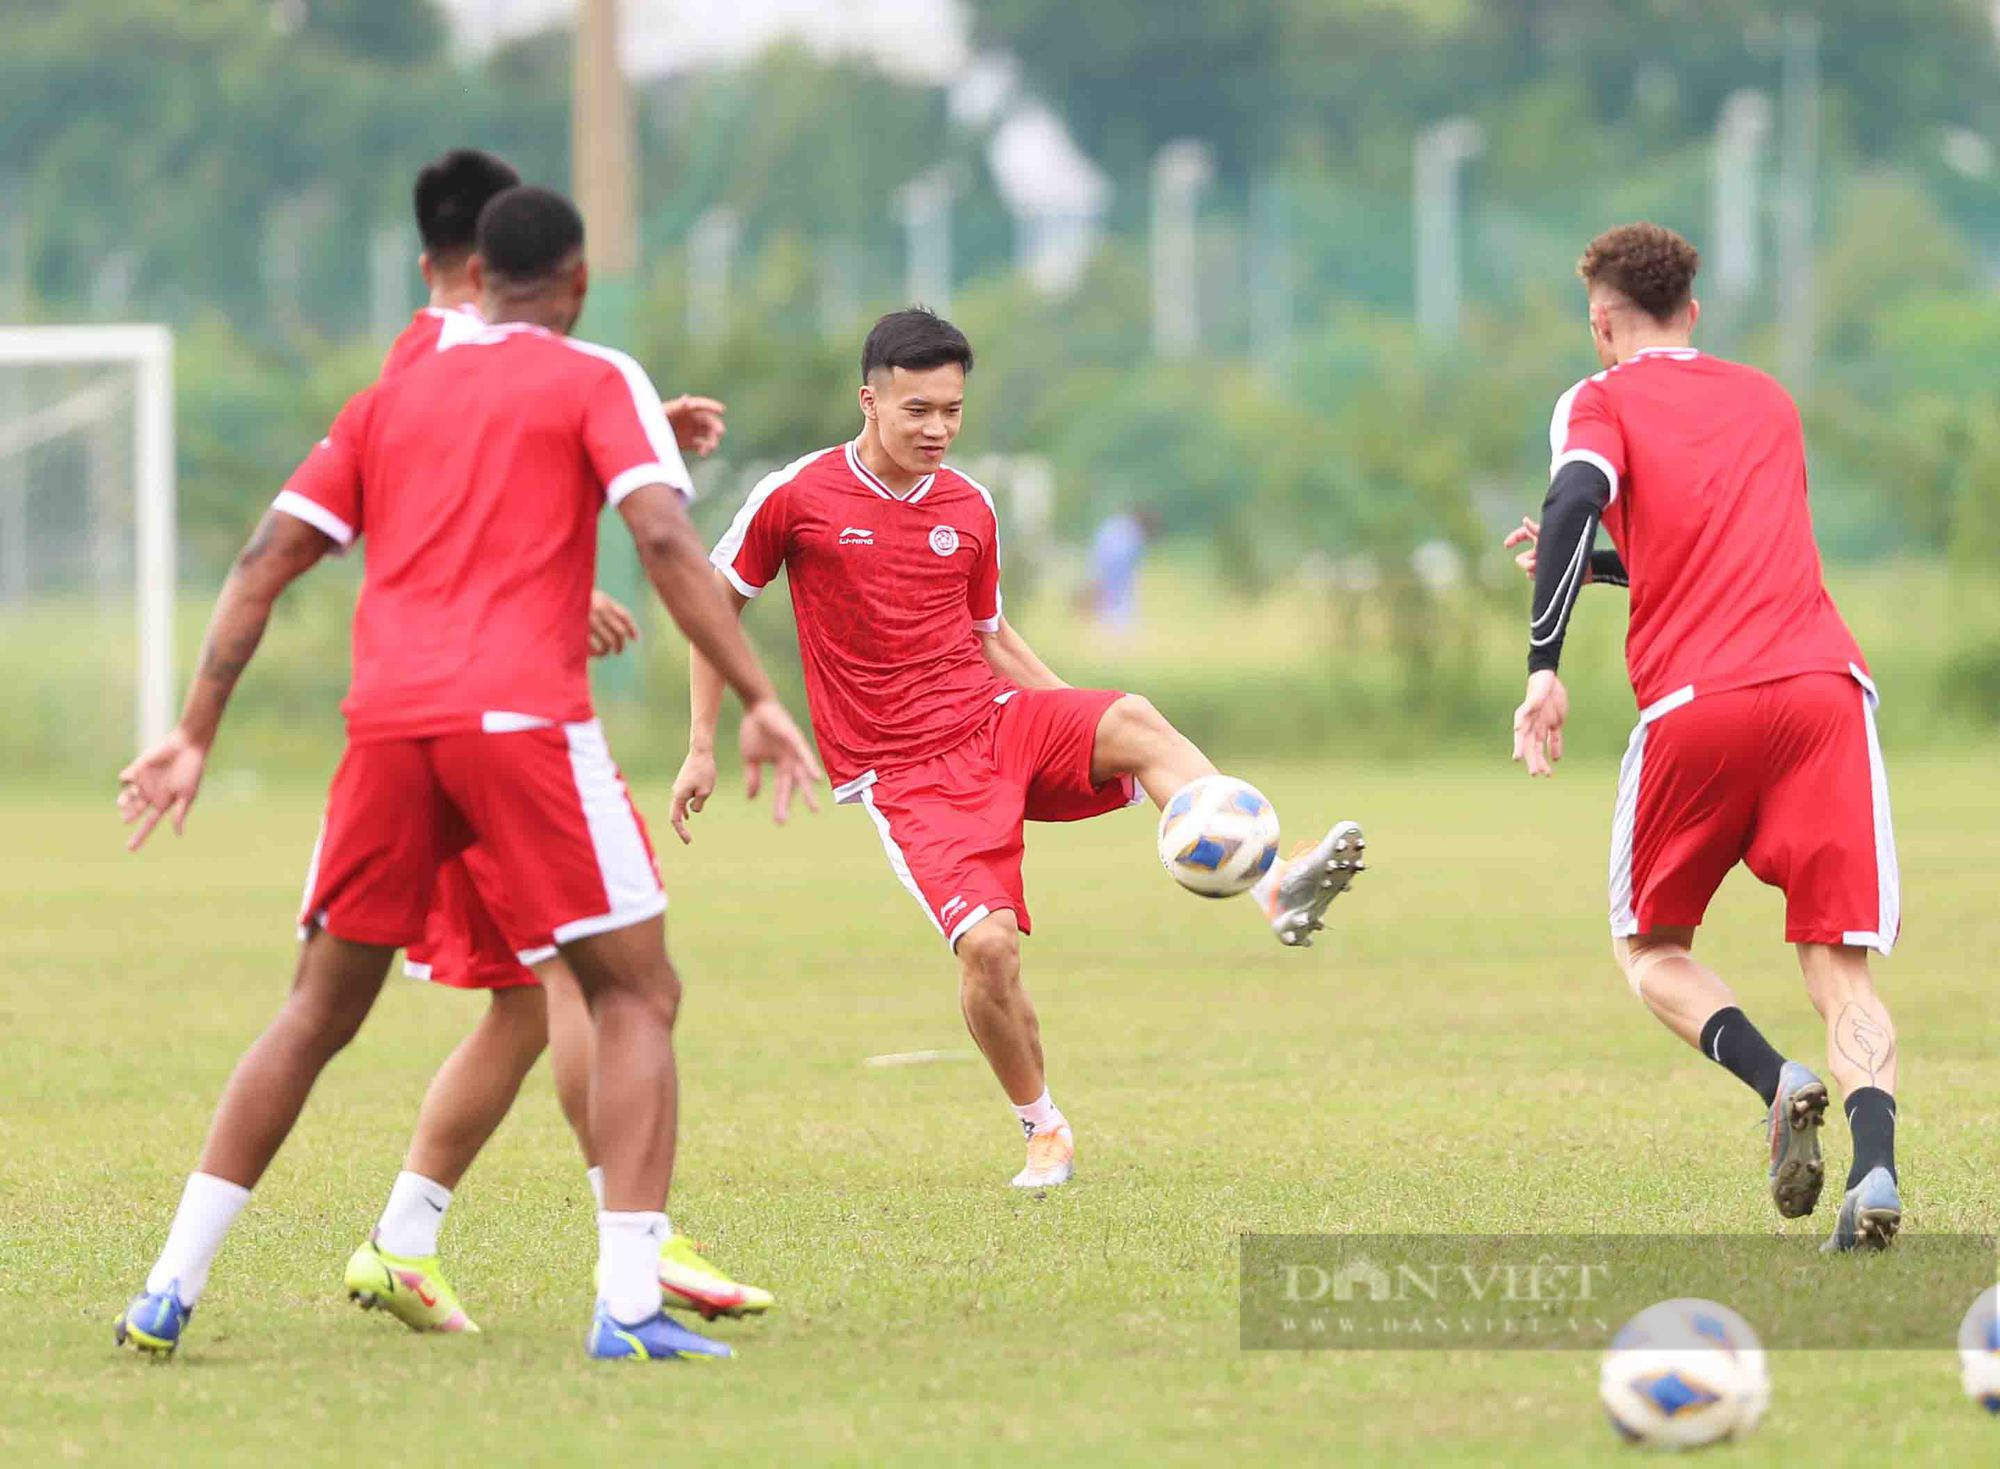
{"type": "Point", "coordinates": [1134, 739]}
{"type": "Point", "coordinates": [335, 986]}
{"type": "Point", "coordinates": [1692, 1001]}
{"type": "Point", "coordinates": [1861, 1055]}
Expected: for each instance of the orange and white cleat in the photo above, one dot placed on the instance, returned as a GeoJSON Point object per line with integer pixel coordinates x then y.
{"type": "Point", "coordinates": [1295, 894]}
{"type": "Point", "coordinates": [1051, 1158]}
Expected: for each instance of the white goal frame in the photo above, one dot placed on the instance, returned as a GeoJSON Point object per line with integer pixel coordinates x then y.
{"type": "Point", "coordinates": [149, 351]}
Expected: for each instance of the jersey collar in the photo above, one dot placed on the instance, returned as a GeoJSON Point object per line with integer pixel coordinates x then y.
{"type": "Point", "coordinates": [1675, 354]}
{"type": "Point", "coordinates": [867, 476]}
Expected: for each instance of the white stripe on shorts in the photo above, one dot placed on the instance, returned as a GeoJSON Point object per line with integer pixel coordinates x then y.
{"type": "Point", "coordinates": [1888, 877]}
{"type": "Point", "coordinates": [631, 883]}
{"type": "Point", "coordinates": [897, 862]}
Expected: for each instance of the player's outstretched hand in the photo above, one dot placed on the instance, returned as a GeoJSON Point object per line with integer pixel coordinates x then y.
{"type": "Point", "coordinates": [697, 423]}
{"type": "Point", "coordinates": [162, 782]}
{"type": "Point", "coordinates": [769, 737]}
{"type": "Point", "coordinates": [1530, 531]}
{"type": "Point", "coordinates": [1538, 723]}
{"type": "Point", "coordinates": [692, 788]}
{"type": "Point", "coordinates": [611, 626]}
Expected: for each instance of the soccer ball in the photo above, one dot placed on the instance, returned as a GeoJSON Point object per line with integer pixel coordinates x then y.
{"type": "Point", "coordinates": [1979, 1351]}
{"type": "Point", "coordinates": [1218, 835]}
{"type": "Point", "coordinates": [1683, 1374]}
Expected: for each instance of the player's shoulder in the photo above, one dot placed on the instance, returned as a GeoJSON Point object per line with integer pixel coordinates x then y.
{"type": "Point", "coordinates": [803, 474]}
{"type": "Point", "coordinates": [953, 481]}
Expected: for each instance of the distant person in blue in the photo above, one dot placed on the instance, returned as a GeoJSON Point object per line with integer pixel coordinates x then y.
{"type": "Point", "coordinates": [1117, 552]}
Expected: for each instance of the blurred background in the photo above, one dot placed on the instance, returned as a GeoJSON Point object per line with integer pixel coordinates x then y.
{"type": "Point", "coordinates": [1271, 301]}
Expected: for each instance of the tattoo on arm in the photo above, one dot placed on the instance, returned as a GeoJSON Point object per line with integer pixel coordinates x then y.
{"type": "Point", "coordinates": [1864, 1040]}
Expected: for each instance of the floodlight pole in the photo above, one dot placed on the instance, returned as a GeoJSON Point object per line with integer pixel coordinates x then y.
{"type": "Point", "coordinates": [1442, 151]}
{"type": "Point", "coordinates": [1798, 163]}
{"type": "Point", "coordinates": [1740, 134]}
{"type": "Point", "coordinates": [1181, 170]}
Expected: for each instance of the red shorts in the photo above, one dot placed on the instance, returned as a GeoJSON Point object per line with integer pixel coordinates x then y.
{"type": "Point", "coordinates": [463, 946]}
{"type": "Point", "coordinates": [1786, 777]}
{"type": "Point", "coordinates": [952, 825]}
{"type": "Point", "coordinates": [553, 849]}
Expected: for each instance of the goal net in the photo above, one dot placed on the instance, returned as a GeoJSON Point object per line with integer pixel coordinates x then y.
{"type": "Point", "coordinates": [86, 543]}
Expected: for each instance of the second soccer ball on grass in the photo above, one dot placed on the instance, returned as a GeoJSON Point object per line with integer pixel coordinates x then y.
{"type": "Point", "coordinates": [1218, 835]}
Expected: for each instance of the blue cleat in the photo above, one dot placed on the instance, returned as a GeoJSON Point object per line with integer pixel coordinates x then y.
{"type": "Point", "coordinates": [153, 1322]}
{"type": "Point", "coordinates": [1870, 1215]}
{"type": "Point", "coordinates": [660, 1339]}
{"type": "Point", "coordinates": [1797, 1114]}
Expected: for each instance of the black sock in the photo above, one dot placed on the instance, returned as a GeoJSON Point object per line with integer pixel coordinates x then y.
{"type": "Point", "coordinates": [1729, 1039]}
{"type": "Point", "coordinates": [1871, 1117]}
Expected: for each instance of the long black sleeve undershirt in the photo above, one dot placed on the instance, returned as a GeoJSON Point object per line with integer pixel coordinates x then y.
{"type": "Point", "coordinates": [1608, 570]}
{"type": "Point", "coordinates": [1576, 500]}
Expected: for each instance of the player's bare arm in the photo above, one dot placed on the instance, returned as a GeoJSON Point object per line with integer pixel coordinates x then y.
{"type": "Point", "coordinates": [701, 605]}
{"type": "Point", "coordinates": [696, 781]}
{"type": "Point", "coordinates": [612, 626]}
{"type": "Point", "coordinates": [165, 779]}
{"type": "Point", "coordinates": [1010, 657]}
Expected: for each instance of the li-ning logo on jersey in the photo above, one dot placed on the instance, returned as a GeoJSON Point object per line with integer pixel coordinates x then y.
{"type": "Point", "coordinates": [954, 906]}
{"type": "Point", "coordinates": [944, 540]}
{"type": "Point", "coordinates": [854, 535]}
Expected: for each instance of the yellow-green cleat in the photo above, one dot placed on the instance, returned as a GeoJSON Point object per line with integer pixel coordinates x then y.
{"type": "Point", "coordinates": [415, 1292]}
{"type": "Point", "coordinates": [690, 1283]}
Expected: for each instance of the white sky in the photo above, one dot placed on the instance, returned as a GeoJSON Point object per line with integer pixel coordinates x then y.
{"type": "Point", "coordinates": [924, 40]}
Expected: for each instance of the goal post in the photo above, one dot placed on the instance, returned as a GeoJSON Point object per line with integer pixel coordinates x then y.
{"type": "Point", "coordinates": [148, 351]}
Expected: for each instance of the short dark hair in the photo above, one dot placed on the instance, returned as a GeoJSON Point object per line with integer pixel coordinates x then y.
{"type": "Point", "coordinates": [450, 192]}
{"type": "Point", "coordinates": [1649, 264]}
{"type": "Point", "coordinates": [916, 340]}
{"type": "Point", "coordinates": [527, 232]}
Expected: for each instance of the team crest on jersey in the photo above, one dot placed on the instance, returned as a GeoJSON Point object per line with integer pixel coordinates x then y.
{"type": "Point", "coordinates": [944, 540]}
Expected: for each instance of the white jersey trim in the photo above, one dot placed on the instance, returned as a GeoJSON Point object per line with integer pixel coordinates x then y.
{"type": "Point", "coordinates": [1559, 452]}
{"type": "Point", "coordinates": [641, 475]}
{"type": "Point", "coordinates": [1624, 831]}
{"type": "Point", "coordinates": [652, 413]}
{"type": "Point", "coordinates": [988, 624]}
{"type": "Point", "coordinates": [867, 476]}
{"type": "Point", "coordinates": [1590, 457]}
{"type": "Point", "coordinates": [316, 515]}
{"type": "Point", "coordinates": [723, 557]}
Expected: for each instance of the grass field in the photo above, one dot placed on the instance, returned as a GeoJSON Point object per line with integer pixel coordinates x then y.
{"type": "Point", "coordinates": [1456, 1055]}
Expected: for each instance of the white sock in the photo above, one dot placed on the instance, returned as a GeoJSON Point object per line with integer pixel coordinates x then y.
{"type": "Point", "coordinates": [1041, 1115]}
{"type": "Point", "coordinates": [410, 1219]}
{"type": "Point", "coordinates": [596, 1177]}
{"type": "Point", "coordinates": [628, 1264]}
{"type": "Point", "coordinates": [209, 1206]}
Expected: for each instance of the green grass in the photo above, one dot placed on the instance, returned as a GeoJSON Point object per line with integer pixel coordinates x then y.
{"type": "Point", "coordinates": [1457, 1055]}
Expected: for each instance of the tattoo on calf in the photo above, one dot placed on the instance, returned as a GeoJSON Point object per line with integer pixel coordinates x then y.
{"type": "Point", "coordinates": [1864, 1040]}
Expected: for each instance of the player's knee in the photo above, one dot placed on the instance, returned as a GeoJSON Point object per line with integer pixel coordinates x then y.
{"type": "Point", "coordinates": [523, 1016]}
{"type": "Point", "coordinates": [1133, 721]}
{"type": "Point", "coordinates": [989, 954]}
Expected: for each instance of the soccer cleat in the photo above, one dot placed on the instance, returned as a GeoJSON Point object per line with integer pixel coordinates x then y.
{"type": "Point", "coordinates": [690, 1283]}
{"type": "Point", "coordinates": [153, 1322]}
{"type": "Point", "coordinates": [1297, 893]}
{"type": "Point", "coordinates": [415, 1292]}
{"type": "Point", "coordinates": [1869, 1216]}
{"type": "Point", "coordinates": [661, 1339]}
{"type": "Point", "coordinates": [1797, 1113]}
{"type": "Point", "coordinates": [1051, 1158]}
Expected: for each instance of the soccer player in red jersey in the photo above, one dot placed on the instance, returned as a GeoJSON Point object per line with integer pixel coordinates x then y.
{"type": "Point", "coordinates": [397, 1268]}
{"type": "Point", "coordinates": [934, 714]}
{"type": "Point", "coordinates": [1756, 740]}
{"type": "Point", "coordinates": [477, 475]}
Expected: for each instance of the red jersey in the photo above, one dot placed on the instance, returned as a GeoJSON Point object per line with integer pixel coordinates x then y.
{"type": "Point", "coordinates": [890, 593]}
{"type": "Point", "coordinates": [1707, 465]}
{"type": "Point", "coordinates": [431, 328]}
{"type": "Point", "coordinates": [477, 472]}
